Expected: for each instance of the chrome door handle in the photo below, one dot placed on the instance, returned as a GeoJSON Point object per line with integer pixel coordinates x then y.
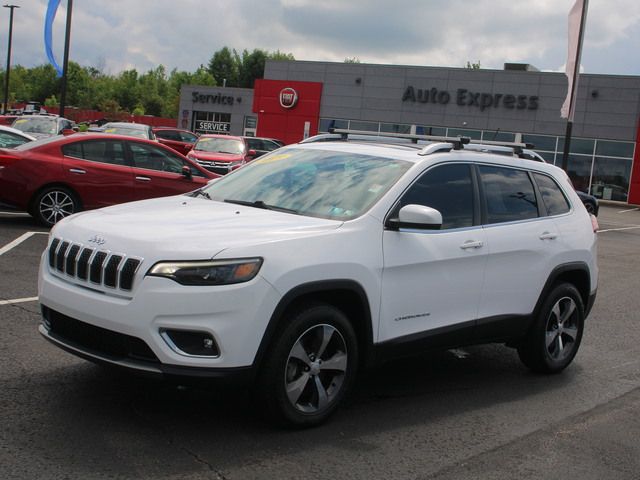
{"type": "Point", "coordinates": [78, 171]}
{"type": "Point", "coordinates": [143, 179]}
{"type": "Point", "coordinates": [548, 236]}
{"type": "Point", "coordinates": [471, 244]}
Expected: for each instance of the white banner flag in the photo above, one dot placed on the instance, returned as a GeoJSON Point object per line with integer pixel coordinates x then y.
{"type": "Point", "coordinates": [573, 57]}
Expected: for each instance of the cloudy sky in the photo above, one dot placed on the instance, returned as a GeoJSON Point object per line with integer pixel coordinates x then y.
{"type": "Point", "coordinates": [114, 35]}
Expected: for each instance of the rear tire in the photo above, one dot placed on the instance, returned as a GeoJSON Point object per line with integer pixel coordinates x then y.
{"type": "Point", "coordinates": [53, 204]}
{"type": "Point", "coordinates": [309, 368]}
{"type": "Point", "coordinates": [556, 333]}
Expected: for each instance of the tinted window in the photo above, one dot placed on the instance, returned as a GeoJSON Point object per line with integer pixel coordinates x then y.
{"type": "Point", "coordinates": [509, 193]}
{"type": "Point", "coordinates": [103, 151]}
{"type": "Point", "coordinates": [153, 158]}
{"type": "Point", "coordinates": [10, 140]}
{"type": "Point", "coordinates": [187, 137]}
{"type": "Point", "coordinates": [448, 189]}
{"type": "Point", "coordinates": [552, 196]}
{"type": "Point", "coordinates": [168, 135]}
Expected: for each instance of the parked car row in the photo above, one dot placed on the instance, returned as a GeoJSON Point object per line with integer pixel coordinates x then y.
{"type": "Point", "coordinates": [55, 177]}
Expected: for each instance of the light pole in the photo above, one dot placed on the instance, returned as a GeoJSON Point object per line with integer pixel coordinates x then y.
{"type": "Point", "coordinates": [6, 75]}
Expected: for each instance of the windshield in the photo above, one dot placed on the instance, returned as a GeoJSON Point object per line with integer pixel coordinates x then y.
{"type": "Point", "coordinates": [317, 183]}
{"type": "Point", "coordinates": [46, 125]}
{"type": "Point", "coordinates": [219, 145]}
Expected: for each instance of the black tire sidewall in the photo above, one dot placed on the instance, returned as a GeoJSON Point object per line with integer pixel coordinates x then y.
{"type": "Point", "coordinates": [272, 384]}
{"type": "Point", "coordinates": [534, 352]}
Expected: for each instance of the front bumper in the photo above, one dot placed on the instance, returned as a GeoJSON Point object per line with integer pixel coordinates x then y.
{"type": "Point", "coordinates": [235, 316]}
{"type": "Point", "coordinates": [242, 375]}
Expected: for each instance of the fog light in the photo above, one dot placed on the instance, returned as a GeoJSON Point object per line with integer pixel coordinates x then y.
{"type": "Point", "coordinates": [191, 343]}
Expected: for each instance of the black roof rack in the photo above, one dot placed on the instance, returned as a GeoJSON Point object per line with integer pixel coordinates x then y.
{"type": "Point", "coordinates": [457, 142]}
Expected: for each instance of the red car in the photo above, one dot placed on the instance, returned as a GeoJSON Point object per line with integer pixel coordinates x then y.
{"type": "Point", "coordinates": [224, 153]}
{"type": "Point", "coordinates": [180, 140]}
{"type": "Point", "coordinates": [55, 177]}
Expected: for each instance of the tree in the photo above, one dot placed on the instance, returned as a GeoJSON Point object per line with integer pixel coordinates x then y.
{"type": "Point", "coordinates": [280, 56]}
{"type": "Point", "coordinates": [223, 66]}
{"type": "Point", "coordinates": [352, 60]}
{"type": "Point", "coordinates": [473, 66]}
{"type": "Point", "coordinates": [252, 67]}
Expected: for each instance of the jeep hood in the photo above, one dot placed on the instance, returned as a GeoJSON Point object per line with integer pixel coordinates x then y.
{"type": "Point", "coordinates": [183, 227]}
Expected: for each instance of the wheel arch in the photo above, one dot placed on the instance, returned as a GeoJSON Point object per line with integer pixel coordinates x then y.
{"type": "Point", "coordinates": [346, 295]}
{"type": "Point", "coordinates": [575, 273]}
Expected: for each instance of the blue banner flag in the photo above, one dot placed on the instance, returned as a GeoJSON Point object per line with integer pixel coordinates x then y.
{"type": "Point", "coordinates": [52, 8]}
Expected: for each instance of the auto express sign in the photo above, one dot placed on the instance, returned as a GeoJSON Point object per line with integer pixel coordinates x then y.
{"type": "Point", "coordinates": [464, 97]}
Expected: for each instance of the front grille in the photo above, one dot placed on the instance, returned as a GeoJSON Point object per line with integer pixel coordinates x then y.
{"type": "Point", "coordinates": [97, 339]}
{"type": "Point", "coordinates": [99, 267]}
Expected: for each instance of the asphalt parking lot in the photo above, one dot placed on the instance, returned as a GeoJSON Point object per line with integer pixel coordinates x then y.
{"type": "Point", "coordinates": [468, 413]}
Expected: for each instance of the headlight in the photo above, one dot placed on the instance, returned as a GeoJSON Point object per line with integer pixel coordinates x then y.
{"type": "Point", "coordinates": [208, 272]}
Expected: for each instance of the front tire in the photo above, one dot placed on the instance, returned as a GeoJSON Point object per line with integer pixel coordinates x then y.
{"type": "Point", "coordinates": [53, 204]}
{"type": "Point", "coordinates": [310, 367]}
{"type": "Point", "coordinates": [555, 336]}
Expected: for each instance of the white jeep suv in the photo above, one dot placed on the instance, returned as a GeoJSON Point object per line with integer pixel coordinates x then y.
{"type": "Point", "coordinates": [320, 259]}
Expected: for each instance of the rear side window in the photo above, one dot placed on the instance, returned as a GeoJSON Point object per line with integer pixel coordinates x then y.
{"type": "Point", "coordinates": [554, 200]}
{"type": "Point", "coordinates": [108, 151]}
{"type": "Point", "coordinates": [510, 194]}
{"type": "Point", "coordinates": [448, 189]}
{"type": "Point", "coordinates": [168, 135]}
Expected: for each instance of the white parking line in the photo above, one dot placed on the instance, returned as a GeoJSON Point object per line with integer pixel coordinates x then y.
{"type": "Point", "coordinates": [630, 210]}
{"type": "Point", "coordinates": [618, 229]}
{"type": "Point", "coordinates": [17, 214]}
{"type": "Point", "coordinates": [18, 300]}
{"type": "Point", "coordinates": [19, 240]}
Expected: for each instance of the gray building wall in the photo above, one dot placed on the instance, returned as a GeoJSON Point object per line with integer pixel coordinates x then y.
{"type": "Point", "coordinates": [608, 106]}
{"type": "Point", "coordinates": [240, 107]}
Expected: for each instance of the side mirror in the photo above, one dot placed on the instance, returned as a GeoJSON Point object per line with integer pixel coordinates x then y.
{"type": "Point", "coordinates": [186, 172]}
{"type": "Point", "coordinates": [251, 153]}
{"type": "Point", "coordinates": [416, 217]}
{"type": "Point", "coordinates": [67, 131]}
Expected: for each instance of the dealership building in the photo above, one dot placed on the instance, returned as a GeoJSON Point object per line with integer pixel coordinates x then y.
{"type": "Point", "coordinates": [298, 98]}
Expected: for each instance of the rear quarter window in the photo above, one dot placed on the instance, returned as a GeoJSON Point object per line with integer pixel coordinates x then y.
{"type": "Point", "coordinates": [552, 196]}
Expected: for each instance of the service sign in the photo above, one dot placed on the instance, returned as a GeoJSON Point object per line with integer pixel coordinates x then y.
{"type": "Point", "coordinates": [212, 127]}
{"type": "Point", "coordinates": [288, 97]}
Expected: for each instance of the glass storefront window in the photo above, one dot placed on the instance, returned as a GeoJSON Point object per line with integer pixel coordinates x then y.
{"type": "Point", "coordinates": [614, 149]}
{"type": "Point", "coordinates": [366, 126]}
{"type": "Point", "coordinates": [435, 131]}
{"type": "Point", "coordinates": [611, 178]}
{"type": "Point", "coordinates": [582, 146]}
{"type": "Point", "coordinates": [497, 136]}
{"type": "Point", "coordinates": [579, 171]}
{"type": "Point", "coordinates": [395, 128]}
{"type": "Point", "coordinates": [541, 142]}
{"type": "Point", "coordinates": [460, 132]}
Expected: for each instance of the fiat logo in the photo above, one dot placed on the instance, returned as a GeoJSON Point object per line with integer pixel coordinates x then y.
{"type": "Point", "coordinates": [288, 97]}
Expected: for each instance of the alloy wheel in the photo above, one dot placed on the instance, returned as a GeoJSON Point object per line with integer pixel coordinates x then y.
{"type": "Point", "coordinates": [562, 329]}
{"type": "Point", "coordinates": [55, 205]}
{"type": "Point", "coordinates": [315, 369]}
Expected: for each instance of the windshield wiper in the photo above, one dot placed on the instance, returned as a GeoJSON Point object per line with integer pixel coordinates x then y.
{"type": "Point", "coordinates": [260, 204]}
